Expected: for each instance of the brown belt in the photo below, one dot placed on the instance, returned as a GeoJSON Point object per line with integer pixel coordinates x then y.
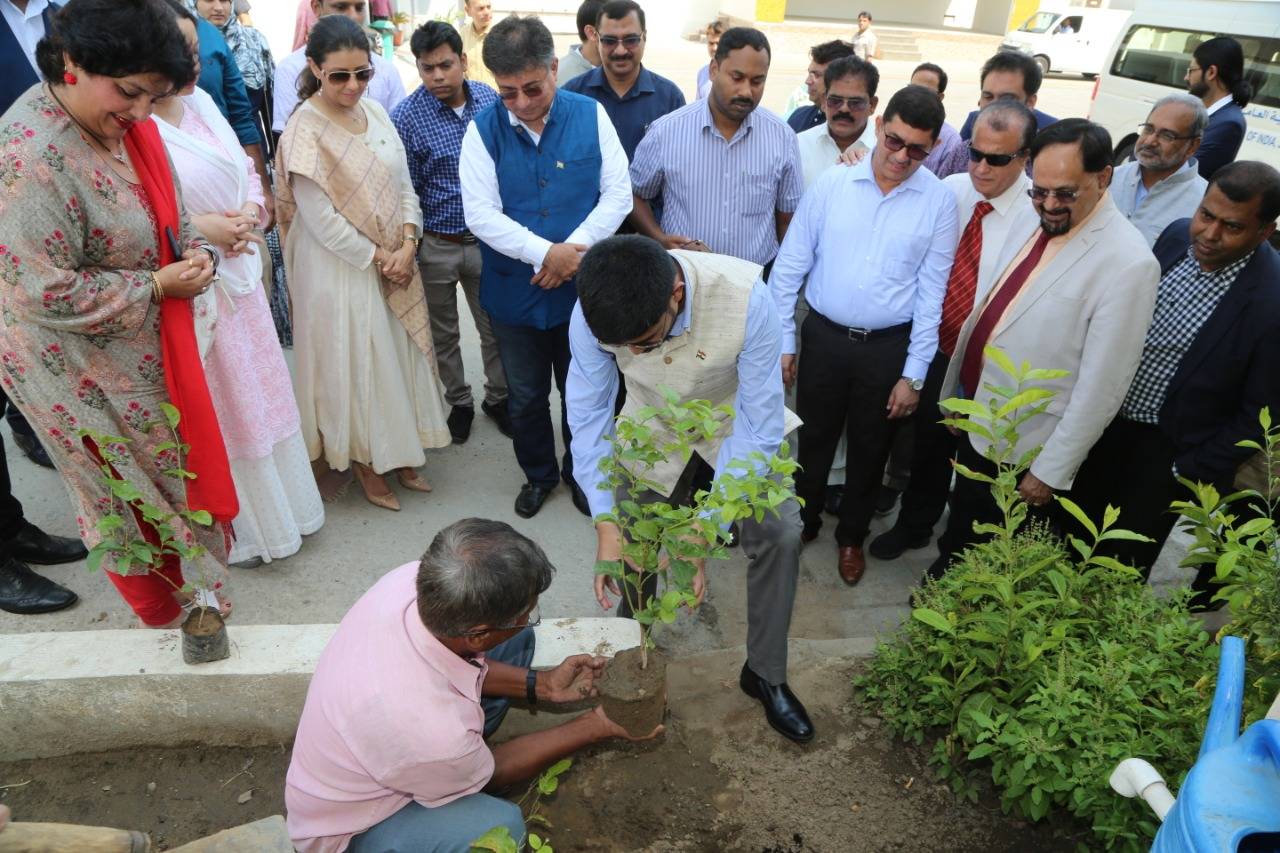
{"type": "Point", "coordinates": [466, 238]}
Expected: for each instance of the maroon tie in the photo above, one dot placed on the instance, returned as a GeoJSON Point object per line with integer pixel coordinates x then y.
{"type": "Point", "coordinates": [963, 282]}
{"type": "Point", "coordinates": [971, 367]}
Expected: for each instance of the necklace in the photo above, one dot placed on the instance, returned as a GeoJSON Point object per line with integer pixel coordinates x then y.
{"type": "Point", "coordinates": [119, 155]}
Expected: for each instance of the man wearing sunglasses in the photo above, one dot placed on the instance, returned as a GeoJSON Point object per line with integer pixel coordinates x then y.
{"type": "Point", "coordinates": [1077, 297]}
{"type": "Point", "coordinates": [544, 178]}
{"type": "Point", "coordinates": [632, 95]}
{"type": "Point", "coordinates": [1162, 183]}
{"type": "Point", "coordinates": [392, 749]}
{"type": "Point", "coordinates": [848, 104]}
{"type": "Point", "coordinates": [997, 218]}
{"type": "Point", "coordinates": [872, 245]}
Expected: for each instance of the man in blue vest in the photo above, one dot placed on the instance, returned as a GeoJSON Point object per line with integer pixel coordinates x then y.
{"type": "Point", "coordinates": [544, 177]}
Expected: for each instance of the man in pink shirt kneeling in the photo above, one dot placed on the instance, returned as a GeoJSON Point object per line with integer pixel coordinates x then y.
{"type": "Point", "coordinates": [391, 751]}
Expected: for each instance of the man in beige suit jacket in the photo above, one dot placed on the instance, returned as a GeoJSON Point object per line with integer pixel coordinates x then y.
{"type": "Point", "coordinates": [1079, 296]}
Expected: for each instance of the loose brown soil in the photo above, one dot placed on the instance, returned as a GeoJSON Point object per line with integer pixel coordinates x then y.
{"type": "Point", "coordinates": [204, 636]}
{"type": "Point", "coordinates": [635, 698]}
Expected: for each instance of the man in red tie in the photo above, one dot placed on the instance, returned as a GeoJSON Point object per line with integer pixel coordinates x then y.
{"type": "Point", "coordinates": [992, 200]}
{"type": "Point", "coordinates": [1078, 296]}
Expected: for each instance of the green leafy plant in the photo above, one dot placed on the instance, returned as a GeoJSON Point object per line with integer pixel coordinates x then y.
{"type": "Point", "coordinates": [666, 542]}
{"type": "Point", "coordinates": [1236, 535]}
{"type": "Point", "coordinates": [499, 840]}
{"type": "Point", "coordinates": [1040, 664]}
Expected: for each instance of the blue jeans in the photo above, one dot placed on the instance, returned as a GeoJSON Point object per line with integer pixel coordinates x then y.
{"type": "Point", "coordinates": [452, 827]}
{"type": "Point", "coordinates": [531, 358]}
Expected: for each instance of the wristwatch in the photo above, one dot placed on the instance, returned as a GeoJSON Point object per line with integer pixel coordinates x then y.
{"type": "Point", "coordinates": [915, 384]}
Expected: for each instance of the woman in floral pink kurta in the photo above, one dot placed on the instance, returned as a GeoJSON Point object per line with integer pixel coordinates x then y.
{"type": "Point", "coordinates": [79, 335]}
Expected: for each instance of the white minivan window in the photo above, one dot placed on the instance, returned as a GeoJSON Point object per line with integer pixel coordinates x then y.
{"type": "Point", "coordinates": [1039, 22]}
{"type": "Point", "coordinates": [1161, 55]}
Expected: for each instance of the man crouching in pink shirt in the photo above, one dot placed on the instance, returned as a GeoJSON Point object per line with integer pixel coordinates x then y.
{"type": "Point", "coordinates": [391, 752]}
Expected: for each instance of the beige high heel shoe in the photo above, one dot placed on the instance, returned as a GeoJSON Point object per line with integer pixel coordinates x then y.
{"type": "Point", "coordinates": [412, 480]}
{"type": "Point", "coordinates": [369, 481]}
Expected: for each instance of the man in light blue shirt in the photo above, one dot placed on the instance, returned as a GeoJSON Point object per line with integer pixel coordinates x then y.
{"type": "Point", "coordinates": [875, 243]}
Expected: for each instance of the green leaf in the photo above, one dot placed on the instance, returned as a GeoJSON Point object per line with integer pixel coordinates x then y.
{"type": "Point", "coordinates": [171, 415]}
{"type": "Point", "coordinates": [933, 619]}
{"type": "Point", "coordinates": [199, 516]}
{"type": "Point", "coordinates": [1078, 514]}
{"type": "Point", "coordinates": [496, 840]}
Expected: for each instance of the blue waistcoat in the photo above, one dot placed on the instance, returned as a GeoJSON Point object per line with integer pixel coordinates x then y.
{"type": "Point", "coordinates": [550, 189]}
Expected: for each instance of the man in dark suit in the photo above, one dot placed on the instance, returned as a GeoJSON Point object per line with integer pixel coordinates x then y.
{"type": "Point", "coordinates": [1216, 77]}
{"type": "Point", "coordinates": [1009, 75]}
{"type": "Point", "coordinates": [1211, 361]}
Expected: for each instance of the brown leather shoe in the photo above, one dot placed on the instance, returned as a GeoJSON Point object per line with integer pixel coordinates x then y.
{"type": "Point", "coordinates": [852, 564]}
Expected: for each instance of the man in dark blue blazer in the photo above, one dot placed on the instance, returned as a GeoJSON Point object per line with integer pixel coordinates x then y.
{"type": "Point", "coordinates": [1210, 364]}
{"type": "Point", "coordinates": [1009, 74]}
{"type": "Point", "coordinates": [1216, 77]}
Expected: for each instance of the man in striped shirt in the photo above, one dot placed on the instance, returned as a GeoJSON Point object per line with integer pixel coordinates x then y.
{"type": "Point", "coordinates": [729, 174]}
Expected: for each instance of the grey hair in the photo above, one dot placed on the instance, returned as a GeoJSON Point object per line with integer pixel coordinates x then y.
{"type": "Point", "coordinates": [1007, 114]}
{"type": "Point", "coordinates": [1192, 103]}
{"type": "Point", "coordinates": [479, 572]}
{"type": "Point", "coordinates": [516, 45]}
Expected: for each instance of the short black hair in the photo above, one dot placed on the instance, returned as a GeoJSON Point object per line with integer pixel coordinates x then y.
{"type": "Point", "coordinates": [616, 10]}
{"type": "Point", "coordinates": [865, 14]}
{"type": "Point", "coordinates": [1245, 180]}
{"type": "Point", "coordinates": [624, 286]}
{"type": "Point", "coordinates": [1093, 139]}
{"type": "Point", "coordinates": [999, 114]}
{"type": "Point", "coordinates": [935, 70]}
{"type": "Point", "coordinates": [918, 107]}
{"type": "Point", "coordinates": [1226, 54]}
{"type": "Point", "coordinates": [116, 38]}
{"type": "Point", "coordinates": [588, 14]}
{"type": "Point", "coordinates": [1009, 60]}
{"type": "Point", "coordinates": [735, 38]}
{"type": "Point", "coordinates": [432, 35]}
{"type": "Point", "coordinates": [516, 45]}
{"type": "Point", "coordinates": [852, 66]}
{"type": "Point", "coordinates": [830, 51]}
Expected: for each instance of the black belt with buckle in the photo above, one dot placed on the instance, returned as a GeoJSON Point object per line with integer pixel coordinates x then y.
{"type": "Point", "coordinates": [466, 238]}
{"type": "Point", "coordinates": [862, 335]}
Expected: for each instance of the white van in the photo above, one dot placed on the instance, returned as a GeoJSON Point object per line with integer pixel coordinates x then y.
{"type": "Point", "coordinates": [1150, 59]}
{"type": "Point", "coordinates": [1074, 40]}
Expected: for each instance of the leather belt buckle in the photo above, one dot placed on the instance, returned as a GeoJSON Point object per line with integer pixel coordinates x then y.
{"type": "Point", "coordinates": [860, 335]}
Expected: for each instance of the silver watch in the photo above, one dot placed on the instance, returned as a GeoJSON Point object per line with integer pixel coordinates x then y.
{"type": "Point", "coordinates": [915, 384]}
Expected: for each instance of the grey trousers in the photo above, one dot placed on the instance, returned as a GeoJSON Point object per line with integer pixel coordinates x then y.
{"type": "Point", "coordinates": [772, 546]}
{"type": "Point", "coordinates": [443, 265]}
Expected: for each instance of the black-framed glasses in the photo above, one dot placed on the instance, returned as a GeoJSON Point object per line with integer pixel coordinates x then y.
{"type": "Point", "coordinates": [364, 75]}
{"type": "Point", "coordinates": [855, 104]}
{"type": "Point", "coordinates": [1066, 196]}
{"type": "Point", "coordinates": [997, 160]}
{"type": "Point", "coordinates": [532, 619]}
{"type": "Point", "coordinates": [897, 143]}
{"type": "Point", "coordinates": [1145, 129]}
{"type": "Point", "coordinates": [630, 42]}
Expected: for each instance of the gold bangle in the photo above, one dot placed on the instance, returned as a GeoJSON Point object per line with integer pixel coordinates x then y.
{"type": "Point", "coordinates": [157, 289]}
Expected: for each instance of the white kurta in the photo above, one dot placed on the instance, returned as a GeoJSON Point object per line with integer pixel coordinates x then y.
{"type": "Point", "coordinates": [366, 393]}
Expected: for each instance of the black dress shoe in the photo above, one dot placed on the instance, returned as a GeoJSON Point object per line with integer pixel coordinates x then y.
{"type": "Point", "coordinates": [531, 499]}
{"type": "Point", "coordinates": [831, 500]}
{"type": "Point", "coordinates": [32, 448]}
{"type": "Point", "coordinates": [23, 591]}
{"type": "Point", "coordinates": [781, 707]}
{"type": "Point", "coordinates": [579, 497]}
{"type": "Point", "coordinates": [498, 412]}
{"type": "Point", "coordinates": [459, 423]}
{"type": "Point", "coordinates": [33, 545]}
{"type": "Point", "coordinates": [891, 544]}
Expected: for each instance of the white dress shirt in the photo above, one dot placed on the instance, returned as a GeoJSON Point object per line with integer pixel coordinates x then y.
{"type": "Point", "coordinates": [1219, 104]}
{"type": "Point", "coordinates": [1005, 229]}
{"type": "Point", "coordinates": [386, 87]}
{"type": "Point", "coordinates": [819, 152]}
{"type": "Point", "coordinates": [482, 202]}
{"type": "Point", "coordinates": [873, 260]}
{"type": "Point", "coordinates": [27, 27]}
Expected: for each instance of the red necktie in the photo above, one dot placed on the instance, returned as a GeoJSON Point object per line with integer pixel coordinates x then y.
{"type": "Point", "coordinates": [963, 282]}
{"type": "Point", "coordinates": [971, 367]}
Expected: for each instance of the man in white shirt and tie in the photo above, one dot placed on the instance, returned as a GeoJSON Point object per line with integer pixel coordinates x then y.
{"type": "Point", "coordinates": [997, 218]}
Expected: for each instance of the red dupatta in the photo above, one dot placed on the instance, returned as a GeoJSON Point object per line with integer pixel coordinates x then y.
{"type": "Point", "coordinates": [212, 489]}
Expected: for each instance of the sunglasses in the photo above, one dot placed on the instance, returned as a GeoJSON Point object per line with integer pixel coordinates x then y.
{"type": "Point", "coordinates": [977, 156]}
{"type": "Point", "coordinates": [1066, 196]}
{"type": "Point", "coordinates": [532, 91]}
{"type": "Point", "coordinates": [631, 41]}
{"type": "Point", "coordinates": [364, 75]}
{"type": "Point", "coordinates": [896, 143]}
{"type": "Point", "coordinates": [856, 105]}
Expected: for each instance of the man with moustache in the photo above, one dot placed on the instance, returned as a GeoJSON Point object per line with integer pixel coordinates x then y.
{"type": "Point", "coordinates": [998, 219]}
{"type": "Point", "coordinates": [632, 95]}
{"type": "Point", "coordinates": [1078, 297]}
{"type": "Point", "coordinates": [692, 156]}
{"type": "Point", "coordinates": [1162, 183]}
{"type": "Point", "coordinates": [850, 101]}
{"type": "Point", "coordinates": [873, 245]}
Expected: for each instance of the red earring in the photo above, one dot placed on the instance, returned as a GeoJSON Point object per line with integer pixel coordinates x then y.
{"type": "Point", "coordinates": [69, 78]}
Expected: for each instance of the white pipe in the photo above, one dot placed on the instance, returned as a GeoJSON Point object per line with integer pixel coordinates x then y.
{"type": "Point", "coordinates": [1134, 777]}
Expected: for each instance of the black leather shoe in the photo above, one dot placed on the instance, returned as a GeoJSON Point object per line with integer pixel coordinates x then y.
{"type": "Point", "coordinates": [891, 544]}
{"type": "Point", "coordinates": [579, 497]}
{"type": "Point", "coordinates": [459, 423]}
{"type": "Point", "coordinates": [531, 499]}
{"type": "Point", "coordinates": [33, 545]}
{"type": "Point", "coordinates": [831, 500]}
{"type": "Point", "coordinates": [781, 707]}
{"type": "Point", "coordinates": [32, 448]}
{"type": "Point", "coordinates": [498, 412]}
{"type": "Point", "coordinates": [23, 591]}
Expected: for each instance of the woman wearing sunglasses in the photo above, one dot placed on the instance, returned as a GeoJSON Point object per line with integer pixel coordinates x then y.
{"type": "Point", "coordinates": [365, 375]}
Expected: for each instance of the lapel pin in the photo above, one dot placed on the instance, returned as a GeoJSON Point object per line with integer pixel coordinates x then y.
{"type": "Point", "coordinates": [559, 164]}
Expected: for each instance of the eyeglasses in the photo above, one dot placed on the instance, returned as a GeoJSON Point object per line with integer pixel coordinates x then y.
{"type": "Point", "coordinates": [1163, 135]}
{"type": "Point", "coordinates": [855, 105]}
{"type": "Point", "coordinates": [896, 143]}
{"type": "Point", "coordinates": [531, 620]}
{"type": "Point", "coordinates": [1191, 68]}
{"type": "Point", "coordinates": [1040, 194]}
{"type": "Point", "coordinates": [532, 91]}
{"type": "Point", "coordinates": [364, 75]}
{"type": "Point", "coordinates": [632, 41]}
{"type": "Point", "coordinates": [977, 156]}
